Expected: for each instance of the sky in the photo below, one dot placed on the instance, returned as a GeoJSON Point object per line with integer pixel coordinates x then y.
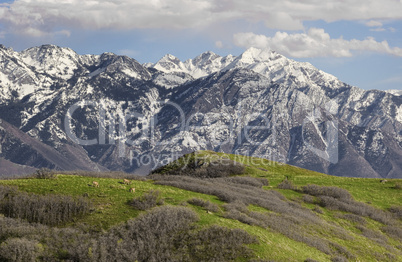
{"type": "Point", "coordinates": [358, 41]}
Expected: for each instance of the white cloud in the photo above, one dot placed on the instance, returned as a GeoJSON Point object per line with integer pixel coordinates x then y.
{"type": "Point", "coordinates": [35, 16]}
{"type": "Point", "coordinates": [373, 23]}
{"type": "Point", "coordinates": [315, 43]}
{"type": "Point", "coordinates": [380, 29]}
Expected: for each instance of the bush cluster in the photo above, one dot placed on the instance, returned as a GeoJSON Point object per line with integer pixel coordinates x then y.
{"type": "Point", "coordinates": [335, 198]}
{"type": "Point", "coordinates": [396, 211]}
{"type": "Point", "coordinates": [191, 165]}
{"type": "Point", "coordinates": [393, 231]}
{"type": "Point", "coordinates": [217, 243]}
{"type": "Point", "coordinates": [287, 184]}
{"type": "Point", "coordinates": [19, 249]}
{"type": "Point", "coordinates": [331, 191]}
{"type": "Point", "coordinates": [373, 235]}
{"type": "Point", "coordinates": [45, 209]}
{"type": "Point", "coordinates": [286, 217]}
{"type": "Point", "coordinates": [357, 208]}
{"type": "Point", "coordinates": [148, 200]}
{"type": "Point", "coordinates": [162, 234]}
{"type": "Point", "coordinates": [44, 173]}
{"type": "Point", "coordinates": [354, 218]}
{"type": "Point", "coordinates": [207, 205]}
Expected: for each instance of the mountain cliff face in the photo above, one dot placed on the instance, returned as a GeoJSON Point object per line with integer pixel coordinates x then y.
{"type": "Point", "coordinates": [96, 112]}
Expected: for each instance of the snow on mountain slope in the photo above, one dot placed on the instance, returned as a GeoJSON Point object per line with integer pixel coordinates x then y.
{"type": "Point", "coordinates": [266, 62]}
{"type": "Point", "coordinates": [202, 65]}
{"type": "Point", "coordinates": [206, 64]}
{"type": "Point", "coordinates": [395, 92]}
{"type": "Point", "coordinates": [53, 60]}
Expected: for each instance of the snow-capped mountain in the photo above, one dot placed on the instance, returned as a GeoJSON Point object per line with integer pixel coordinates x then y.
{"type": "Point", "coordinates": [201, 66]}
{"type": "Point", "coordinates": [395, 92]}
{"type": "Point", "coordinates": [133, 117]}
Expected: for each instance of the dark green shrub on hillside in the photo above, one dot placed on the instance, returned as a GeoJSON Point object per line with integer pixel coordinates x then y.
{"type": "Point", "coordinates": [221, 168]}
{"type": "Point", "coordinates": [196, 166]}
{"type": "Point", "coordinates": [44, 173]}
{"type": "Point", "coordinates": [148, 200]}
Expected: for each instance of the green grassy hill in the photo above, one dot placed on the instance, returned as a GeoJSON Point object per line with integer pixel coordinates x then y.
{"type": "Point", "coordinates": [287, 214]}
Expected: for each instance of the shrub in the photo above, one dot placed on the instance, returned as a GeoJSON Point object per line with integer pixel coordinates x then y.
{"type": "Point", "coordinates": [207, 205]}
{"type": "Point", "coordinates": [331, 191]}
{"type": "Point", "coordinates": [245, 180]}
{"type": "Point", "coordinates": [48, 209]}
{"type": "Point", "coordinates": [318, 210]}
{"type": "Point", "coordinates": [341, 250]}
{"type": "Point", "coordinates": [218, 243]}
{"type": "Point", "coordinates": [19, 249]}
{"type": "Point", "coordinates": [398, 186]}
{"type": "Point", "coordinates": [393, 231]}
{"type": "Point", "coordinates": [164, 233]}
{"type": "Point", "coordinates": [287, 184]}
{"type": "Point", "coordinates": [147, 201]}
{"type": "Point", "coordinates": [194, 166]}
{"type": "Point", "coordinates": [356, 208]}
{"type": "Point", "coordinates": [6, 191]}
{"type": "Point", "coordinates": [149, 237]}
{"type": "Point", "coordinates": [339, 259]}
{"type": "Point", "coordinates": [44, 173]}
{"type": "Point", "coordinates": [354, 218]}
{"type": "Point", "coordinates": [397, 211]}
{"type": "Point", "coordinates": [168, 234]}
{"type": "Point", "coordinates": [308, 199]}
{"type": "Point", "coordinates": [372, 235]}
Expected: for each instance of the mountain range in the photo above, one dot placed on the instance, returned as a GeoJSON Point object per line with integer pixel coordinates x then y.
{"type": "Point", "coordinates": [66, 111]}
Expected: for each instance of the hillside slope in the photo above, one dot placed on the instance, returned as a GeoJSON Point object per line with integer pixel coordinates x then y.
{"type": "Point", "coordinates": [284, 216]}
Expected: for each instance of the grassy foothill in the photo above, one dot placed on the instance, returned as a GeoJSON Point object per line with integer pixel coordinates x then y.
{"type": "Point", "coordinates": [204, 206]}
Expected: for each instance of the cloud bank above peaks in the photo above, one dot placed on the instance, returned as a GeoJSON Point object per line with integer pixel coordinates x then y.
{"type": "Point", "coordinates": [315, 43]}
{"type": "Point", "coordinates": [45, 15]}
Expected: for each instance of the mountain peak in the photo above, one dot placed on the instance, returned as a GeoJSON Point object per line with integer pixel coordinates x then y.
{"type": "Point", "coordinates": [253, 55]}
{"type": "Point", "coordinates": [171, 58]}
{"type": "Point", "coordinates": [169, 63]}
{"type": "Point", "coordinates": [204, 57]}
